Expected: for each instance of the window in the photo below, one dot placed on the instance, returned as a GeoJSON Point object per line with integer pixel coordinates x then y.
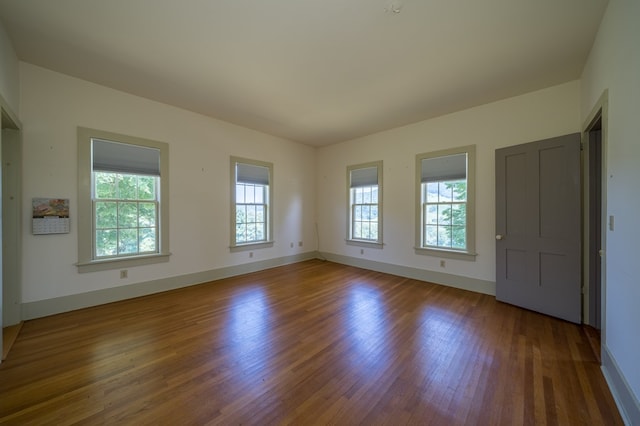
{"type": "Point", "coordinates": [364, 183]}
{"type": "Point", "coordinates": [123, 196]}
{"type": "Point", "coordinates": [445, 209]}
{"type": "Point", "coordinates": [251, 202]}
{"type": "Point", "coordinates": [125, 209]}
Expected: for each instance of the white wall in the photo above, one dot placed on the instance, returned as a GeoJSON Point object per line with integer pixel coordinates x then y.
{"type": "Point", "coordinates": [539, 115]}
{"type": "Point", "coordinates": [9, 88]}
{"type": "Point", "coordinates": [614, 64]}
{"type": "Point", "coordinates": [53, 105]}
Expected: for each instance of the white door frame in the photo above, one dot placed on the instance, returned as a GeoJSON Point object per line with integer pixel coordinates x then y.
{"type": "Point", "coordinates": [10, 121]}
{"type": "Point", "coordinates": [599, 111]}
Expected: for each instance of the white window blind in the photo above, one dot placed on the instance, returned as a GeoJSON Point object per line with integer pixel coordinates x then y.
{"type": "Point", "coordinates": [364, 177]}
{"type": "Point", "coordinates": [109, 156]}
{"type": "Point", "coordinates": [448, 168]}
{"type": "Point", "coordinates": [249, 173]}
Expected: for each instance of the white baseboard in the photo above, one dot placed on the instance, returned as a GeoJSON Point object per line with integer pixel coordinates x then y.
{"type": "Point", "coordinates": [457, 281]}
{"type": "Point", "coordinates": [627, 402]}
{"type": "Point", "coordinates": [43, 308]}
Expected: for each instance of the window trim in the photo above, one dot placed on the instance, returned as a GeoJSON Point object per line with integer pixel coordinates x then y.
{"type": "Point", "coordinates": [86, 261]}
{"type": "Point", "coordinates": [361, 242]}
{"type": "Point", "coordinates": [470, 252]}
{"type": "Point", "coordinates": [237, 247]}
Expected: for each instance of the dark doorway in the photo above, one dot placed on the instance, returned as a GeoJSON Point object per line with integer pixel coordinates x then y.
{"type": "Point", "coordinates": [594, 206]}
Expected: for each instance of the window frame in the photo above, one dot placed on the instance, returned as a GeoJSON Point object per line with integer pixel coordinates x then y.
{"type": "Point", "coordinates": [87, 261]}
{"type": "Point", "coordinates": [350, 206]}
{"type": "Point", "coordinates": [470, 252]}
{"type": "Point", "coordinates": [251, 245]}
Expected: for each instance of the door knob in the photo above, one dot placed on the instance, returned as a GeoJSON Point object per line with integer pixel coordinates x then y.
{"type": "Point", "coordinates": [499, 237]}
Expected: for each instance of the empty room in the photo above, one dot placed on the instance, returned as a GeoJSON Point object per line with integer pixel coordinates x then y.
{"type": "Point", "coordinates": [319, 212]}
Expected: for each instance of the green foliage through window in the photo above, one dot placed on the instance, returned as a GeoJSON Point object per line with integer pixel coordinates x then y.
{"type": "Point", "coordinates": [364, 213]}
{"type": "Point", "coordinates": [445, 214]}
{"type": "Point", "coordinates": [251, 213]}
{"type": "Point", "coordinates": [126, 212]}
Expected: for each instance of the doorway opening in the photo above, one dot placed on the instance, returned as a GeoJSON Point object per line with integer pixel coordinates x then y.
{"type": "Point", "coordinates": [11, 230]}
{"type": "Point", "coordinates": [595, 225]}
{"type": "Point", "coordinates": [594, 149]}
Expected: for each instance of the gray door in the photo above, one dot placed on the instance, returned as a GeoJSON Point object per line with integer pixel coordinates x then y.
{"type": "Point", "coordinates": [538, 223]}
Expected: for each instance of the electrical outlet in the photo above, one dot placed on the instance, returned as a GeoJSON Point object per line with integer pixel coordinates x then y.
{"type": "Point", "coordinates": [291, 245]}
{"type": "Point", "coordinates": [250, 254]}
{"type": "Point", "coordinates": [299, 243]}
{"type": "Point", "coordinates": [124, 274]}
{"type": "Point", "coordinates": [361, 251]}
{"type": "Point", "coordinates": [443, 264]}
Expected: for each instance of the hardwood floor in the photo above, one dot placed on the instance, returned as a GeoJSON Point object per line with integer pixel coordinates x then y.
{"type": "Point", "coordinates": [310, 343]}
{"type": "Point", "coordinates": [9, 335]}
{"type": "Point", "coordinates": [593, 337]}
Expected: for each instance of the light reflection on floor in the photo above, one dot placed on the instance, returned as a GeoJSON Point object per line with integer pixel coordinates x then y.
{"type": "Point", "coordinates": [249, 335]}
{"type": "Point", "coordinates": [367, 326]}
{"type": "Point", "coordinates": [441, 339]}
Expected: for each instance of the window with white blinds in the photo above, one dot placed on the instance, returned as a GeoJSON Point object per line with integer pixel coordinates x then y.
{"type": "Point", "coordinates": [445, 201]}
{"type": "Point", "coordinates": [251, 204]}
{"type": "Point", "coordinates": [123, 211]}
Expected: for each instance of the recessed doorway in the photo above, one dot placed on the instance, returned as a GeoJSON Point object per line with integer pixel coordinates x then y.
{"type": "Point", "coordinates": [596, 222]}
{"type": "Point", "coordinates": [11, 229]}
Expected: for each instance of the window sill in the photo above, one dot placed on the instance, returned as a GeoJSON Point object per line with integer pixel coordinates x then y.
{"type": "Point", "coordinates": [365, 243]}
{"type": "Point", "coordinates": [449, 254]}
{"type": "Point", "coordinates": [121, 262]}
{"type": "Point", "coordinates": [251, 246]}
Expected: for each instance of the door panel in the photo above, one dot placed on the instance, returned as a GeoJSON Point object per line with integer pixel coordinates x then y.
{"type": "Point", "coordinates": [538, 226]}
{"type": "Point", "coordinates": [515, 200]}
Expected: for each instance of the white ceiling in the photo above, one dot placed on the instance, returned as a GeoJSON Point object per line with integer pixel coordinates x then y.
{"type": "Point", "coordinates": [313, 71]}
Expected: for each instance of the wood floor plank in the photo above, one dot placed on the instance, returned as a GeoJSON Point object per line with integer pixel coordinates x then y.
{"type": "Point", "coordinates": [309, 343]}
{"type": "Point", "coordinates": [9, 336]}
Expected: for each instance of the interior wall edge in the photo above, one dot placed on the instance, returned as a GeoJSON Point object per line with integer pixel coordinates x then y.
{"type": "Point", "coordinates": [8, 113]}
